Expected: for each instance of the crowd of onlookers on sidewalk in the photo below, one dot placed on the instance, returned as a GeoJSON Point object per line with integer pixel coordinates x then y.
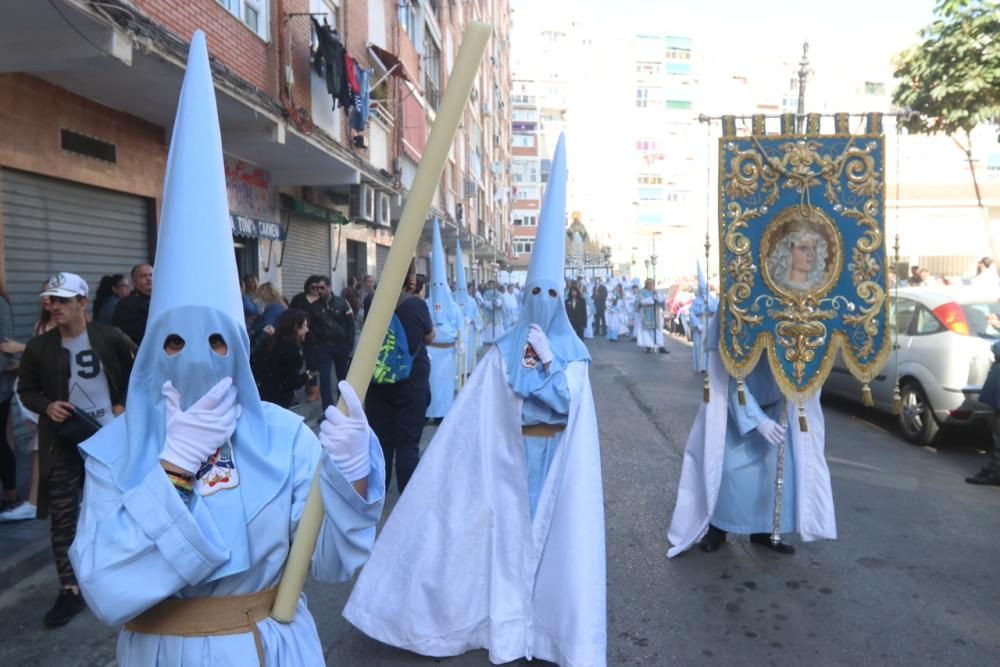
{"type": "Point", "coordinates": [71, 377]}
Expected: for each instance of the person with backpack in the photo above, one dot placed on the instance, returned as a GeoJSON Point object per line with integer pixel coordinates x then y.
{"type": "Point", "coordinates": [399, 392]}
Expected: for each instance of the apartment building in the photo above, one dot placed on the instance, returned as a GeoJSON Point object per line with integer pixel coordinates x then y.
{"type": "Point", "coordinates": [317, 170]}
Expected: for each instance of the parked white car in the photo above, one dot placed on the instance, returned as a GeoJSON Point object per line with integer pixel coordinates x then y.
{"type": "Point", "coordinates": [943, 358]}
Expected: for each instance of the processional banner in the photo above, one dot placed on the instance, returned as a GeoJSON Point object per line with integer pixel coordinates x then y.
{"type": "Point", "coordinates": [802, 245]}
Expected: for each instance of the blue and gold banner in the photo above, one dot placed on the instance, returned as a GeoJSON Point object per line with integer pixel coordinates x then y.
{"type": "Point", "coordinates": [802, 244]}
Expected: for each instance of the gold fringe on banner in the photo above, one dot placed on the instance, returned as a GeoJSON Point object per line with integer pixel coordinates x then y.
{"type": "Point", "coordinates": [866, 396]}
{"type": "Point", "coordinates": [803, 424]}
{"type": "Point", "coordinates": [842, 123]}
{"type": "Point", "coordinates": [741, 393]}
{"type": "Point", "coordinates": [757, 125]}
{"type": "Point", "coordinates": [812, 124]}
{"type": "Point", "coordinates": [873, 123]}
{"type": "Point", "coordinates": [788, 123]}
{"type": "Point", "coordinates": [729, 126]}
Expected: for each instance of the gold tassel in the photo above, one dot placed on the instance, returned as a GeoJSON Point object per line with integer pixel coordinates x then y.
{"type": "Point", "coordinates": [803, 424]}
{"type": "Point", "coordinates": [705, 391]}
{"type": "Point", "coordinates": [897, 400]}
{"type": "Point", "coordinates": [740, 393]}
{"type": "Point", "coordinates": [866, 396]}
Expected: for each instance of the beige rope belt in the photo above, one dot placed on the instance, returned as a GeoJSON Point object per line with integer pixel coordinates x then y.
{"type": "Point", "coordinates": [443, 346]}
{"type": "Point", "coordinates": [542, 430]}
{"type": "Point", "coordinates": [207, 617]}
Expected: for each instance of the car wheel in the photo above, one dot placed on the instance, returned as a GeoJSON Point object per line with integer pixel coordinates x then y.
{"type": "Point", "coordinates": [915, 418]}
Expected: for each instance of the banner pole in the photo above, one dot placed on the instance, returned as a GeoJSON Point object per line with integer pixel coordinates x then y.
{"type": "Point", "coordinates": [411, 222]}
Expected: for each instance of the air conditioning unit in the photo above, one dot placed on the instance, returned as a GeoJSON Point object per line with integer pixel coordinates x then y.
{"type": "Point", "coordinates": [363, 202]}
{"type": "Point", "coordinates": [487, 109]}
{"type": "Point", "coordinates": [471, 189]}
{"type": "Point", "coordinates": [383, 216]}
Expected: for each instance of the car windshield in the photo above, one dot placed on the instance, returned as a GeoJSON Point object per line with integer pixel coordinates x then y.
{"type": "Point", "coordinates": [983, 318]}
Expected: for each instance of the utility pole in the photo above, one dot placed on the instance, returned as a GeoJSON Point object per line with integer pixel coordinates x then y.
{"type": "Point", "coordinates": [800, 118]}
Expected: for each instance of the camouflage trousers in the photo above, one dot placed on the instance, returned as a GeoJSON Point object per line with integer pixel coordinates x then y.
{"type": "Point", "coordinates": [65, 495]}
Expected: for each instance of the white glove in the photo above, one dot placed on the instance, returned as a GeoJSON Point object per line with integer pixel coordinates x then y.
{"type": "Point", "coordinates": [346, 437]}
{"type": "Point", "coordinates": [772, 431]}
{"type": "Point", "coordinates": [540, 342]}
{"type": "Point", "coordinates": [193, 435]}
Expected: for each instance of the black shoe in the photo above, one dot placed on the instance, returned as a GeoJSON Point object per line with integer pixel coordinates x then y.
{"type": "Point", "coordinates": [648, 350]}
{"type": "Point", "coordinates": [985, 477]}
{"type": "Point", "coordinates": [764, 540]}
{"type": "Point", "coordinates": [663, 350]}
{"type": "Point", "coordinates": [713, 540]}
{"type": "Point", "coordinates": [68, 605]}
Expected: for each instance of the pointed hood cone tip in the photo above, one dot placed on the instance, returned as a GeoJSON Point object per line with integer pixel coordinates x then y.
{"type": "Point", "coordinates": [439, 297]}
{"type": "Point", "coordinates": [461, 286]}
{"type": "Point", "coordinates": [194, 245]}
{"type": "Point", "coordinates": [548, 256]}
{"type": "Point", "coordinates": [544, 308]}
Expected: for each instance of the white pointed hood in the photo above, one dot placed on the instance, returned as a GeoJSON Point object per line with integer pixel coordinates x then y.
{"type": "Point", "coordinates": [542, 298]}
{"type": "Point", "coordinates": [196, 294]}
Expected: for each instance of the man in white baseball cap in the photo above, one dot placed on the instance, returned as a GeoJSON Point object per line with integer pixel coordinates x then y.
{"type": "Point", "coordinates": [76, 367]}
{"type": "Point", "coordinates": [66, 286]}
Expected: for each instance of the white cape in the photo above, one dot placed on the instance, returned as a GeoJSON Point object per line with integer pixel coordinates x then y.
{"type": "Point", "coordinates": [460, 565]}
{"type": "Point", "coordinates": [701, 473]}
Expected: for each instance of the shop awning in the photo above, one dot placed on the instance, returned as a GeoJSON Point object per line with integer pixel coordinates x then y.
{"type": "Point", "coordinates": [389, 62]}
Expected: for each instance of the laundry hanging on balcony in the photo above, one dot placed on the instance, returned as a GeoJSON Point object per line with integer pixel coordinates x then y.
{"type": "Point", "coordinates": [346, 81]}
{"type": "Point", "coordinates": [359, 113]}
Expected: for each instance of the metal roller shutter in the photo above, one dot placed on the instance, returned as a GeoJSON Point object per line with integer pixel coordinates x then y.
{"type": "Point", "coordinates": [307, 251]}
{"type": "Point", "coordinates": [381, 254]}
{"type": "Point", "coordinates": [51, 225]}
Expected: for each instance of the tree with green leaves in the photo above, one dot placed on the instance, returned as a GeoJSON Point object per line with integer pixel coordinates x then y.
{"type": "Point", "coordinates": [950, 81]}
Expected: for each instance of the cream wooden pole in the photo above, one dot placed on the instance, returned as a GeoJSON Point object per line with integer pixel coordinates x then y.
{"type": "Point", "coordinates": [456, 96]}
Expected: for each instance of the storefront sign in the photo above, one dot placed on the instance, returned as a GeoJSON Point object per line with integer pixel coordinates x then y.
{"type": "Point", "coordinates": [256, 229]}
{"type": "Point", "coordinates": [313, 211]}
{"type": "Point", "coordinates": [253, 202]}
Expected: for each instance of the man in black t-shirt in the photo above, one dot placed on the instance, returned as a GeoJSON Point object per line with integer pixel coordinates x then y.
{"type": "Point", "coordinates": [396, 412]}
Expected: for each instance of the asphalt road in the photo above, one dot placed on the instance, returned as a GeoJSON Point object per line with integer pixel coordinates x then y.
{"type": "Point", "coordinates": [912, 580]}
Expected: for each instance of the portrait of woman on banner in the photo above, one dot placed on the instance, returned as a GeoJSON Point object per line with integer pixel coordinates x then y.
{"type": "Point", "coordinates": [800, 255]}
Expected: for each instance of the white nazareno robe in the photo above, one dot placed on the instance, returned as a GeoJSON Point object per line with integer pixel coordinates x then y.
{"type": "Point", "coordinates": [461, 565]}
{"type": "Point", "coordinates": [701, 473]}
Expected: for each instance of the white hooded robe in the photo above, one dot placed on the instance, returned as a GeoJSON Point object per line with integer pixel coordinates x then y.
{"type": "Point", "coordinates": [701, 473]}
{"type": "Point", "coordinates": [460, 564]}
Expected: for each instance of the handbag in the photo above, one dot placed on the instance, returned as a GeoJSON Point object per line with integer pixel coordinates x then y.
{"type": "Point", "coordinates": [78, 427]}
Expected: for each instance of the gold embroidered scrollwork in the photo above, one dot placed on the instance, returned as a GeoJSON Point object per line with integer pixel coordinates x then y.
{"type": "Point", "coordinates": [741, 272]}
{"type": "Point", "coordinates": [849, 177]}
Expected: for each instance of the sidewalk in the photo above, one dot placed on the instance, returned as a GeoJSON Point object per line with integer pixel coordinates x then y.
{"type": "Point", "coordinates": [25, 546]}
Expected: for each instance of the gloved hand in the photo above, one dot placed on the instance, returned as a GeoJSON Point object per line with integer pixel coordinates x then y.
{"type": "Point", "coordinates": [647, 301]}
{"type": "Point", "coordinates": [772, 431]}
{"type": "Point", "coordinates": [346, 437]}
{"type": "Point", "coordinates": [540, 342]}
{"type": "Point", "coordinates": [193, 435]}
